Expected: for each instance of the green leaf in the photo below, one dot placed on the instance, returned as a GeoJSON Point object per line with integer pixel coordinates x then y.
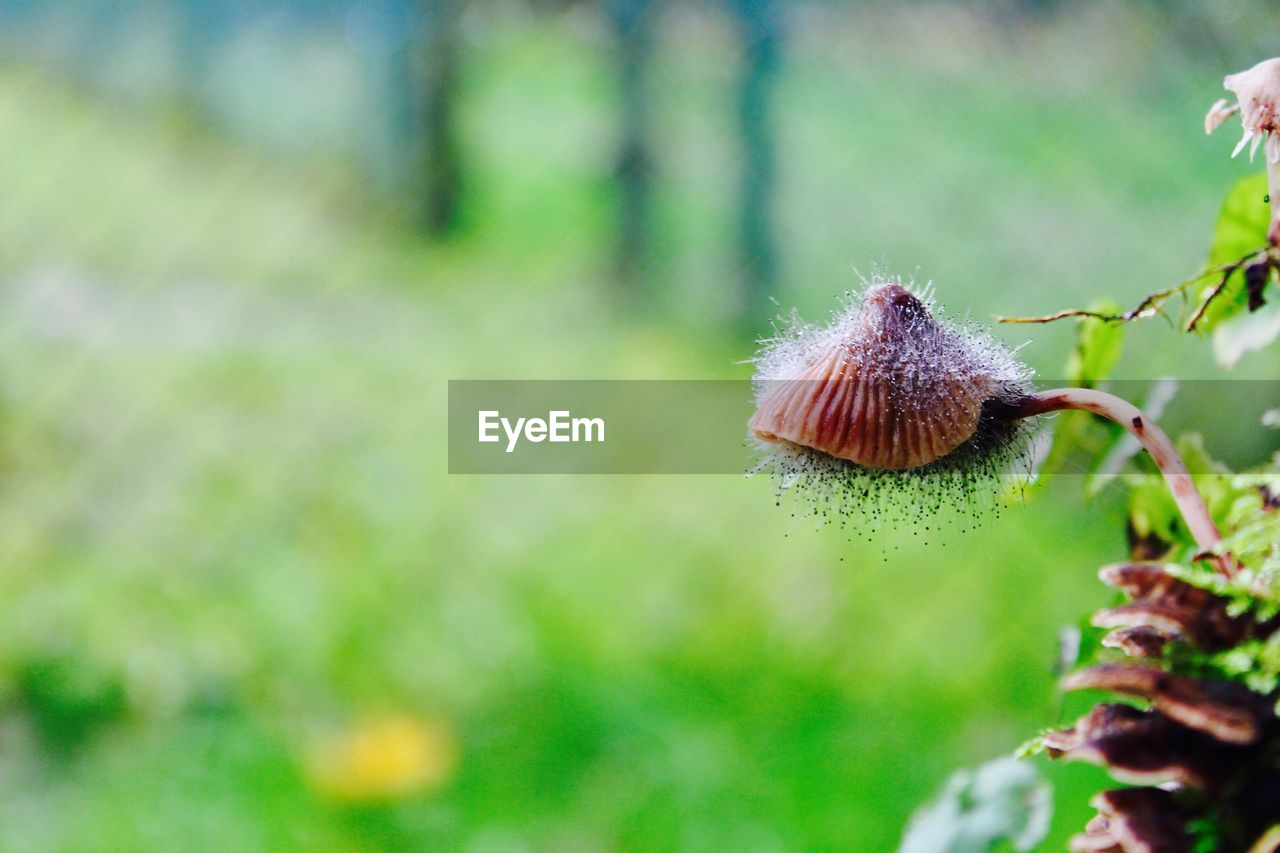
{"type": "Point", "coordinates": [1242, 221]}
{"type": "Point", "coordinates": [1152, 510]}
{"type": "Point", "coordinates": [1032, 747]}
{"type": "Point", "coordinates": [1153, 514]}
{"type": "Point", "coordinates": [1241, 228]}
{"type": "Point", "coordinates": [1099, 344]}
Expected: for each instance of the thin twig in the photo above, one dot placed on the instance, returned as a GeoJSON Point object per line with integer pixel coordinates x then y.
{"type": "Point", "coordinates": [1204, 305]}
{"type": "Point", "coordinates": [1154, 303]}
{"type": "Point", "coordinates": [1061, 315]}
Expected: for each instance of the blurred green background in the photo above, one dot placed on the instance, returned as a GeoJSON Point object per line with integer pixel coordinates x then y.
{"type": "Point", "coordinates": [243, 604]}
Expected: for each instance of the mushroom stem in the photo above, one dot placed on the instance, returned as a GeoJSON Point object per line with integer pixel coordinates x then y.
{"type": "Point", "coordinates": [1153, 439]}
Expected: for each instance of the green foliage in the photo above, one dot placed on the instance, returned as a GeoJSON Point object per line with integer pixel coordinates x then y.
{"type": "Point", "coordinates": [1253, 523]}
{"type": "Point", "coordinates": [1099, 345]}
{"type": "Point", "coordinates": [1240, 317]}
{"type": "Point", "coordinates": [1206, 837]}
{"type": "Point", "coordinates": [1152, 509]}
{"type": "Point", "coordinates": [247, 531]}
{"type": "Point", "coordinates": [1002, 801]}
{"type": "Point", "coordinates": [1153, 514]}
{"type": "Point", "coordinates": [1256, 663]}
{"type": "Point", "coordinates": [1244, 507]}
{"type": "Point", "coordinates": [65, 704]}
{"type": "Point", "coordinates": [1242, 222]}
{"type": "Point", "coordinates": [1033, 746]}
{"type": "Point", "coordinates": [1241, 228]}
{"type": "Point", "coordinates": [1212, 478]}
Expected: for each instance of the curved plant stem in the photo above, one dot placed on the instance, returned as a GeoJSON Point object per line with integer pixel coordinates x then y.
{"type": "Point", "coordinates": [1273, 186]}
{"type": "Point", "coordinates": [1157, 443]}
{"type": "Point", "coordinates": [1273, 192]}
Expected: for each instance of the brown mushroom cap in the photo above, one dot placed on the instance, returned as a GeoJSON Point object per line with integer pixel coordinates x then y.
{"type": "Point", "coordinates": [1143, 747]}
{"type": "Point", "coordinates": [1169, 607]}
{"type": "Point", "coordinates": [1207, 743]}
{"type": "Point", "coordinates": [1135, 820]}
{"type": "Point", "coordinates": [1223, 710]}
{"type": "Point", "coordinates": [1142, 580]}
{"type": "Point", "coordinates": [896, 390]}
{"type": "Point", "coordinates": [1138, 641]}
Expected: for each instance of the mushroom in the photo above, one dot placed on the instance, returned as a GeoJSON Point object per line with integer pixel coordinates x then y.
{"type": "Point", "coordinates": [1142, 747]}
{"type": "Point", "coordinates": [1223, 710]}
{"type": "Point", "coordinates": [1165, 607]}
{"type": "Point", "coordinates": [1135, 820]}
{"type": "Point", "coordinates": [1138, 641]}
{"type": "Point", "coordinates": [888, 387]}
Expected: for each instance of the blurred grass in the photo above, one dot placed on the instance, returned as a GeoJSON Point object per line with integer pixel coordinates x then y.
{"type": "Point", "coordinates": [228, 532]}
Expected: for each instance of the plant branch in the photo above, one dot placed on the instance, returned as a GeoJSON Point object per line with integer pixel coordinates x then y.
{"type": "Point", "coordinates": [1176, 476]}
{"type": "Point", "coordinates": [1154, 303]}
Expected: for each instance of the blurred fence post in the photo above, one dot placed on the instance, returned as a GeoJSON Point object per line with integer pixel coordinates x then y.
{"type": "Point", "coordinates": [761, 32]}
{"type": "Point", "coordinates": [441, 163]}
{"type": "Point", "coordinates": [633, 23]}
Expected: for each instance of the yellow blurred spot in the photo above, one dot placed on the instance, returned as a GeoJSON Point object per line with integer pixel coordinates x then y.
{"type": "Point", "coordinates": [384, 758]}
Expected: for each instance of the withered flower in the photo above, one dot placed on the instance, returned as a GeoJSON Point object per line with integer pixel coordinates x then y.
{"type": "Point", "coordinates": [1257, 94]}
